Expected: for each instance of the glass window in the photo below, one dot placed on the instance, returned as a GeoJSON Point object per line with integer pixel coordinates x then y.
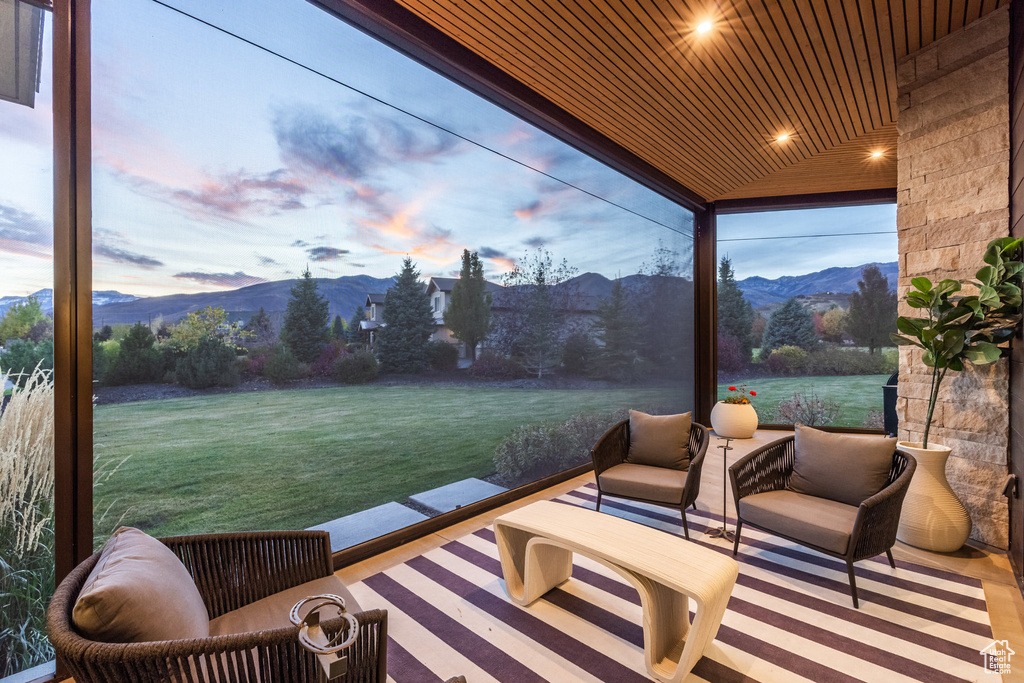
{"type": "Point", "coordinates": [26, 340]}
{"type": "Point", "coordinates": [806, 302]}
{"type": "Point", "coordinates": [280, 172]}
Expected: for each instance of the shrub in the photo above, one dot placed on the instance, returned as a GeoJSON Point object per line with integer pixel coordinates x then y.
{"type": "Point", "coordinates": [257, 362]}
{"type": "Point", "coordinates": [22, 357]}
{"type": "Point", "coordinates": [323, 366]}
{"type": "Point", "coordinates": [442, 356]}
{"type": "Point", "coordinates": [875, 419]}
{"type": "Point", "coordinates": [809, 409]}
{"type": "Point", "coordinates": [356, 368]}
{"type": "Point", "coordinates": [494, 366]}
{"type": "Point", "coordinates": [26, 523]}
{"type": "Point", "coordinates": [209, 363]}
{"type": "Point", "coordinates": [281, 366]}
{"type": "Point", "coordinates": [731, 356]}
{"type": "Point", "coordinates": [137, 361]}
{"type": "Point", "coordinates": [787, 360]}
{"type": "Point", "coordinates": [534, 451]}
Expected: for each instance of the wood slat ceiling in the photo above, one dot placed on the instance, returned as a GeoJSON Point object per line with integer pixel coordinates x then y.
{"type": "Point", "coordinates": [706, 108]}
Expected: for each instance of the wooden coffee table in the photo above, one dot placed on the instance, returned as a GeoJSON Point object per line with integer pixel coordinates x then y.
{"type": "Point", "coordinates": [536, 544]}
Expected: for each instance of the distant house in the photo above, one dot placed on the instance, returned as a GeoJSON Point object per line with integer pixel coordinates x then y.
{"type": "Point", "coordinates": [439, 291]}
{"type": "Point", "coordinates": [374, 316]}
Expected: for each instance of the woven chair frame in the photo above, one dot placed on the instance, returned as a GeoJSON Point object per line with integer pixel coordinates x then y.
{"type": "Point", "coordinates": [613, 447]}
{"type": "Point", "coordinates": [770, 468]}
{"type": "Point", "coordinates": [230, 571]}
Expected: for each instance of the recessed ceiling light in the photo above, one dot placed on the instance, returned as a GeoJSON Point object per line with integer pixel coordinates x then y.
{"type": "Point", "coordinates": [704, 27]}
{"type": "Point", "coordinates": [782, 137]}
{"type": "Point", "coordinates": [877, 153]}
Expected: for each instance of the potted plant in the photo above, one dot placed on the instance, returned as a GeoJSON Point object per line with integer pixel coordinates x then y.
{"type": "Point", "coordinates": [734, 416]}
{"type": "Point", "coordinates": [956, 329]}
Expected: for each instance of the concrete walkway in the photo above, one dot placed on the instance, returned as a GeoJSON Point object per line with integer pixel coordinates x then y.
{"type": "Point", "coordinates": [362, 526]}
{"type": "Point", "coordinates": [457, 494]}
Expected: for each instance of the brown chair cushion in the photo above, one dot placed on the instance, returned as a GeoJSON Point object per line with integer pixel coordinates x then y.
{"type": "Point", "coordinates": [272, 612]}
{"type": "Point", "coordinates": [659, 440]}
{"type": "Point", "coordinates": [658, 484]}
{"type": "Point", "coordinates": [139, 591]}
{"type": "Point", "coordinates": [847, 468]}
{"type": "Point", "coordinates": [808, 519]}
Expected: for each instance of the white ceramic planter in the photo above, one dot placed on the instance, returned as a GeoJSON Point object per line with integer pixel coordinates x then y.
{"type": "Point", "coordinates": [734, 420]}
{"type": "Point", "coordinates": [933, 517]}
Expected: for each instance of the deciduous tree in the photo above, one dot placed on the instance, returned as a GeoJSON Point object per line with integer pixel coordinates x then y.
{"type": "Point", "coordinates": [468, 315]}
{"type": "Point", "coordinates": [408, 324]}
{"type": "Point", "coordinates": [20, 318]}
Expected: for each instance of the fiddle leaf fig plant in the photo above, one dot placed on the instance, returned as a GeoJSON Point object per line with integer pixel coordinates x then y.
{"type": "Point", "coordinates": [957, 328]}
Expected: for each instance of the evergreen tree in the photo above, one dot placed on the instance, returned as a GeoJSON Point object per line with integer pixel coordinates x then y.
{"type": "Point", "coordinates": [468, 315]}
{"type": "Point", "coordinates": [261, 328]}
{"type": "Point", "coordinates": [872, 314]}
{"type": "Point", "coordinates": [791, 325]}
{"type": "Point", "coordinates": [338, 328]}
{"type": "Point", "coordinates": [408, 324]}
{"type": "Point", "coordinates": [137, 360]}
{"type": "Point", "coordinates": [306, 320]}
{"type": "Point", "coordinates": [665, 306]}
{"type": "Point", "coordinates": [353, 332]}
{"type": "Point", "coordinates": [616, 329]}
{"type": "Point", "coordinates": [735, 314]}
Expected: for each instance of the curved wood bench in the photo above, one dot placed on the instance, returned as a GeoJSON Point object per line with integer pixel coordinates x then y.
{"type": "Point", "coordinates": [536, 544]}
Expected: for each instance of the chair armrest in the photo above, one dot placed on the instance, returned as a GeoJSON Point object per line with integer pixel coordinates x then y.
{"type": "Point", "coordinates": [766, 469]}
{"type": "Point", "coordinates": [273, 655]}
{"type": "Point", "coordinates": [232, 570]}
{"type": "Point", "coordinates": [611, 448]}
{"type": "Point", "coordinates": [699, 439]}
{"type": "Point", "coordinates": [878, 517]}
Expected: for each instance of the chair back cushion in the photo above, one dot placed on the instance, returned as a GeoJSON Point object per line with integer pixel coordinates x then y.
{"type": "Point", "coordinates": [139, 591]}
{"type": "Point", "coordinates": [659, 440]}
{"type": "Point", "coordinates": [847, 468]}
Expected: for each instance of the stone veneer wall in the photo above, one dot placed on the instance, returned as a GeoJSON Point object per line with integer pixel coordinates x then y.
{"type": "Point", "coordinates": [953, 197]}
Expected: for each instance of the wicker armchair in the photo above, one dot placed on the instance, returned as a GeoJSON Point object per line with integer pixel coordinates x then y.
{"type": "Point", "coordinates": [230, 571]}
{"type": "Point", "coordinates": [874, 527]}
{"type": "Point", "coordinates": [612, 448]}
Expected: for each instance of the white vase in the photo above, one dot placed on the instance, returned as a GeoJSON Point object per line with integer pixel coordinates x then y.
{"type": "Point", "coordinates": [734, 420]}
{"type": "Point", "coordinates": [933, 517]}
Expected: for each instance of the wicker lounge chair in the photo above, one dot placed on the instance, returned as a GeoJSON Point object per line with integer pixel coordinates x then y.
{"type": "Point", "coordinates": [650, 484]}
{"type": "Point", "coordinates": [230, 571]}
{"type": "Point", "coordinates": [760, 484]}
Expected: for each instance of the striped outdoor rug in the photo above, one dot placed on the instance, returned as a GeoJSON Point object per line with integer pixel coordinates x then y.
{"type": "Point", "coordinates": [790, 617]}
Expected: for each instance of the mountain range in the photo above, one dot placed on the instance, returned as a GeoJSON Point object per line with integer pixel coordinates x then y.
{"type": "Point", "coordinates": [761, 291]}
{"type": "Point", "coordinates": [345, 293]}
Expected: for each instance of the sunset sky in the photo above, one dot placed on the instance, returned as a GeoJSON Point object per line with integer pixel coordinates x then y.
{"type": "Point", "coordinates": [218, 164]}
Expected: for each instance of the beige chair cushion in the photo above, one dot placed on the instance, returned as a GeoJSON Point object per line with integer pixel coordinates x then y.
{"type": "Point", "coordinates": [659, 440]}
{"type": "Point", "coordinates": [658, 484]}
{"type": "Point", "coordinates": [847, 468]}
{"type": "Point", "coordinates": [139, 591]}
{"type": "Point", "coordinates": [272, 612]}
{"type": "Point", "coordinates": [817, 521]}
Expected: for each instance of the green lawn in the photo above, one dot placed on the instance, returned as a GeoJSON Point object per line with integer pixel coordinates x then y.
{"type": "Point", "coordinates": [856, 395]}
{"type": "Point", "coordinates": [293, 459]}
